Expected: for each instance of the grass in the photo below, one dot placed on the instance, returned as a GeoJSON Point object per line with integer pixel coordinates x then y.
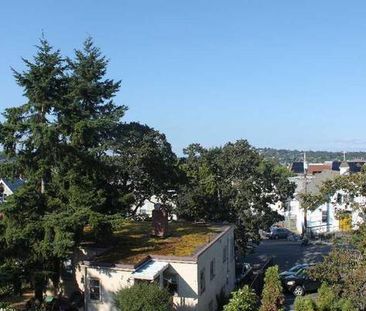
{"type": "Point", "coordinates": [133, 242]}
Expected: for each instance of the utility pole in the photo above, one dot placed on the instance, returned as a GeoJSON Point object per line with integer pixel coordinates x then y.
{"type": "Point", "coordinates": [305, 192]}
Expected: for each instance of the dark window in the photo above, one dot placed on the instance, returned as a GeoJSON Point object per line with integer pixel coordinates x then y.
{"type": "Point", "coordinates": [171, 283]}
{"type": "Point", "coordinates": [94, 289]}
{"type": "Point", "coordinates": [339, 198]}
{"type": "Point", "coordinates": [325, 216]}
{"type": "Point", "coordinates": [212, 269]}
{"type": "Point", "coordinates": [232, 244]}
{"type": "Point", "coordinates": [202, 281]}
{"type": "Point", "coordinates": [224, 254]}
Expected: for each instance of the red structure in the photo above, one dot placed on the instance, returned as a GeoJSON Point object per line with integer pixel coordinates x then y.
{"type": "Point", "coordinates": [159, 221]}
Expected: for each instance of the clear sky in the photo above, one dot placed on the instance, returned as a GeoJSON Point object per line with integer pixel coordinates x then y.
{"type": "Point", "coordinates": [280, 73]}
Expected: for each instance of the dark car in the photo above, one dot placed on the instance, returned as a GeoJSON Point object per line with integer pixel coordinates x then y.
{"type": "Point", "coordinates": [279, 233]}
{"type": "Point", "coordinates": [294, 270]}
{"type": "Point", "coordinates": [300, 283]}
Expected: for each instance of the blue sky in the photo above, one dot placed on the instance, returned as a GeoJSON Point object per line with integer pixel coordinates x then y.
{"type": "Point", "coordinates": [280, 73]}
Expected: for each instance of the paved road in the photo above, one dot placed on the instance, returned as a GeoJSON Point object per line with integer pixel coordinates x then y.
{"type": "Point", "coordinates": [287, 254]}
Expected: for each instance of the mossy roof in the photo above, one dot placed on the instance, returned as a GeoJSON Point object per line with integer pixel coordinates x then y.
{"type": "Point", "coordinates": [132, 241]}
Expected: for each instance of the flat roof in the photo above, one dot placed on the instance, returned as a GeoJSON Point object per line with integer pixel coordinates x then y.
{"type": "Point", "coordinates": [132, 241]}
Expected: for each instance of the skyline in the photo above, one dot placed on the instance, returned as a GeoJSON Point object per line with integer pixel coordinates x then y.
{"type": "Point", "coordinates": [282, 75]}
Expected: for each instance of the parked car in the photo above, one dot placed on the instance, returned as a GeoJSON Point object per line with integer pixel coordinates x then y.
{"type": "Point", "coordinates": [279, 233]}
{"type": "Point", "coordinates": [243, 271]}
{"type": "Point", "coordinates": [293, 270]}
{"type": "Point", "coordinates": [300, 283]}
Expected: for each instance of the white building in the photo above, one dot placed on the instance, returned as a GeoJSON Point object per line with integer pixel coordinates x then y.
{"type": "Point", "coordinates": [194, 281]}
{"type": "Point", "coordinates": [323, 218]}
{"type": "Point", "coordinates": [8, 187]}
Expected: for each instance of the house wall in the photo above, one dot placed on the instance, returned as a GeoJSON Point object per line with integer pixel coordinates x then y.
{"type": "Point", "coordinates": [111, 280]}
{"type": "Point", "coordinates": [187, 296]}
{"type": "Point", "coordinates": [148, 207]}
{"type": "Point", "coordinates": [314, 218]}
{"type": "Point", "coordinates": [224, 279]}
{"type": "Point", "coordinates": [6, 193]}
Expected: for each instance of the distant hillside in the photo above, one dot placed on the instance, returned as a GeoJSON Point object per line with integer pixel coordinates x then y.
{"type": "Point", "coordinates": [284, 156]}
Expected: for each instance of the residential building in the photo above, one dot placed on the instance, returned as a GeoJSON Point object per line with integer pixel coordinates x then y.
{"type": "Point", "coordinates": [8, 187]}
{"type": "Point", "coordinates": [323, 218]}
{"type": "Point", "coordinates": [195, 262]}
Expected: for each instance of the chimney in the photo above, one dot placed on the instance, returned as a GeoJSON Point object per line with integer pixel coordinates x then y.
{"type": "Point", "coordinates": [159, 221]}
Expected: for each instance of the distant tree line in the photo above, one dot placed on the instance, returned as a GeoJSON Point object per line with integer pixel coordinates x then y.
{"type": "Point", "coordinates": [285, 157]}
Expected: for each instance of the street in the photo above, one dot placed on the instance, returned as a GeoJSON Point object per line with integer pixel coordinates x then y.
{"type": "Point", "coordinates": [287, 254]}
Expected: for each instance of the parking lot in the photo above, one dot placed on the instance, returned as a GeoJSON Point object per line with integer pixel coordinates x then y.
{"type": "Point", "coordinates": [287, 254]}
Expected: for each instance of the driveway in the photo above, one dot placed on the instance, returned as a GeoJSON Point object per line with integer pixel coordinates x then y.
{"type": "Point", "coordinates": [287, 254]}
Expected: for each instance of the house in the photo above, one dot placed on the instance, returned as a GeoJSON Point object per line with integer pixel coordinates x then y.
{"type": "Point", "coordinates": [8, 187]}
{"type": "Point", "coordinates": [324, 218]}
{"type": "Point", "coordinates": [149, 205]}
{"type": "Point", "coordinates": [195, 262]}
{"type": "Point", "coordinates": [297, 167]}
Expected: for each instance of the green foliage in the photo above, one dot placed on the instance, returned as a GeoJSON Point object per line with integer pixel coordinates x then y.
{"type": "Point", "coordinates": [145, 163]}
{"type": "Point", "coordinates": [272, 296]}
{"type": "Point", "coordinates": [286, 157]}
{"type": "Point", "coordinates": [311, 201]}
{"type": "Point", "coordinates": [304, 304]}
{"type": "Point", "coordinates": [58, 141]}
{"type": "Point", "coordinates": [327, 300]}
{"type": "Point", "coordinates": [232, 183]}
{"type": "Point", "coordinates": [143, 297]}
{"type": "Point", "coordinates": [243, 299]}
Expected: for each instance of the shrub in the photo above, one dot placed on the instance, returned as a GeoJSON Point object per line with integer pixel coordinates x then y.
{"type": "Point", "coordinates": [346, 305]}
{"type": "Point", "coordinates": [243, 299]}
{"type": "Point", "coordinates": [304, 304]}
{"type": "Point", "coordinates": [326, 300]}
{"type": "Point", "coordinates": [272, 296]}
{"type": "Point", "coordinates": [143, 297]}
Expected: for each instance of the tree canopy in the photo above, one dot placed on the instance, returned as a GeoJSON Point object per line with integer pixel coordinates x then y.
{"type": "Point", "coordinates": [232, 183]}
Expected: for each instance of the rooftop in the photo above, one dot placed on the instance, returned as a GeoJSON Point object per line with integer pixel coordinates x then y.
{"type": "Point", "coordinates": [132, 241]}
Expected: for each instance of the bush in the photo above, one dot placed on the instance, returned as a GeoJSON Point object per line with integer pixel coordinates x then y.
{"type": "Point", "coordinates": [304, 304]}
{"type": "Point", "coordinates": [272, 296]}
{"type": "Point", "coordinates": [143, 297]}
{"type": "Point", "coordinates": [346, 305]}
{"type": "Point", "coordinates": [243, 299]}
{"type": "Point", "coordinates": [326, 300]}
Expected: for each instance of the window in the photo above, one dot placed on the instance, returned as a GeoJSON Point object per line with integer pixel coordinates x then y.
{"type": "Point", "coordinates": [325, 216]}
{"type": "Point", "coordinates": [224, 254]}
{"type": "Point", "coordinates": [94, 289]}
{"type": "Point", "coordinates": [202, 281]}
{"type": "Point", "coordinates": [171, 283]}
{"type": "Point", "coordinates": [212, 269]}
{"type": "Point", "coordinates": [232, 244]}
{"type": "Point", "coordinates": [339, 198]}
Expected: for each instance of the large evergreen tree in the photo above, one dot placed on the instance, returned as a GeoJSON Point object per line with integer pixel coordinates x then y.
{"type": "Point", "coordinates": [58, 141]}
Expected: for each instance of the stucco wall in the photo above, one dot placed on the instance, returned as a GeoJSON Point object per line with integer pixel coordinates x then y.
{"type": "Point", "coordinates": [224, 271]}
{"type": "Point", "coordinates": [111, 280]}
